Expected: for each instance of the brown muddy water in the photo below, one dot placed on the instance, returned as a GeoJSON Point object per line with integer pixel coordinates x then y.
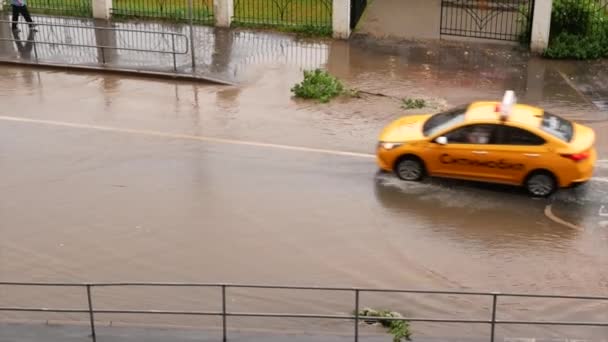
{"type": "Point", "coordinates": [83, 204]}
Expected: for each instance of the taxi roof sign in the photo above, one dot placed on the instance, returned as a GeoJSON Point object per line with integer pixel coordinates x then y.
{"type": "Point", "coordinates": [507, 104]}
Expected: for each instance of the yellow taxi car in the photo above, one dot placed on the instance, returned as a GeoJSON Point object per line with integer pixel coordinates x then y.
{"type": "Point", "coordinates": [499, 142]}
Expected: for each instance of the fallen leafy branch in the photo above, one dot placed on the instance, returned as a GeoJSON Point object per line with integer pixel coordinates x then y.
{"type": "Point", "coordinates": [400, 329]}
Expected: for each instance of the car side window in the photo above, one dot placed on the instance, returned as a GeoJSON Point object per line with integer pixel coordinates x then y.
{"type": "Point", "coordinates": [517, 136]}
{"type": "Point", "coordinates": [472, 134]}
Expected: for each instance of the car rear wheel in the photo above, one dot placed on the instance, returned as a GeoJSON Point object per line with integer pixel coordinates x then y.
{"type": "Point", "coordinates": [541, 184]}
{"type": "Point", "coordinates": [410, 169]}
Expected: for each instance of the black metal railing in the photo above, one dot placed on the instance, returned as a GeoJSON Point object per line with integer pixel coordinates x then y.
{"type": "Point", "coordinates": [224, 313]}
{"type": "Point", "coordinates": [299, 15]}
{"type": "Point", "coordinates": [201, 11]}
{"type": "Point", "coordinates": [45, 43]}
{"type": "Point", "coordinates": [74, 8]}
{"type": "Point", "coordinates": [509, 20]}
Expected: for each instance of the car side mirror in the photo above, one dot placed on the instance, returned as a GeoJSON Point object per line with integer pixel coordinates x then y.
{"type": "Point", "coordinates": [442, 140]}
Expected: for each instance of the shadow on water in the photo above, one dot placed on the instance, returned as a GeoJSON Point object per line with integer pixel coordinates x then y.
{"type": "Point", "coordinates": [488, 214]}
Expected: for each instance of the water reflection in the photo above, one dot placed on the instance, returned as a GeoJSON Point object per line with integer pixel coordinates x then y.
{"type": "Point", "coordinates": [25, 47]}
{"type": "Point", "coordinates": [473, 213]}
{"type": "Point", "coordinates": [456, 72]}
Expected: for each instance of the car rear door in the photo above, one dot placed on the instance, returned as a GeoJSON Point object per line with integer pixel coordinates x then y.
{"type": "Point", "coordinates": [518, 151]}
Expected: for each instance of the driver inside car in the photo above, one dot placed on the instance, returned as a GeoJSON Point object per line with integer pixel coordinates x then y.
{"type": "Point", "coordinates": [478, 136]}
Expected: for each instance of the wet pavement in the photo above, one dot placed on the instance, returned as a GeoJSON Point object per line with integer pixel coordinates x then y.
{"type": "Point", "coordinates": [102, 206]}
{"type": "Point", "coordinates": [58, 332]}
{"type": "Point", "coordinates": [109, 178]}
{"type": "Point", "coordinates": [453, 71]}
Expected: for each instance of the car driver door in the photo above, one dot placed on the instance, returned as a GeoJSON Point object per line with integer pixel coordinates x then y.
{"type": "Point", "coordinates": [465, 154]}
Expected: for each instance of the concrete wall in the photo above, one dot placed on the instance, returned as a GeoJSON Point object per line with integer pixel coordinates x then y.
{"type": "Point", "coordinates": [407, 19]}
{"type": "Point", "coordinates": [417, 19]}
{"type": "Point", "coordinates": [101, 9]}
{"type": "Point", "coordinates": [341, 18]}
{"type": "Point", "coordinates": [541, 25]}
{"type": "Point", "coordinates": [223, 10]}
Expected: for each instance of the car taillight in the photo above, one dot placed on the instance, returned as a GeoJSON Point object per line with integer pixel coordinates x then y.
{"type": "Point", "coordinates": [577, 156]}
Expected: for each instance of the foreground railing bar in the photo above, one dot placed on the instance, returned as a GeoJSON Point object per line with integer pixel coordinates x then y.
{"type": "Point", "coordinates": [160, 312]}
{"type": "Point", "coordinates": [560, 323]}
{"type": "Point", "coordinates": [8, 283]}
{"type": "Point", "coordinates": [312, 288]}
{"type": "Point", "coordinates": [361, 318]}
{"type": "Point", "coordinates": [552, 296]}
{"type": "Point", "coordinates": [44, 310]}
{"type": "Point", "coordinates": [311, 316]}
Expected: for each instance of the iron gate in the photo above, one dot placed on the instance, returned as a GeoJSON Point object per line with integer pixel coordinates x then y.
{"type": "Point", "coordinates": [490, 19]}
{"type": "Point", "coordinates": [356, 10]}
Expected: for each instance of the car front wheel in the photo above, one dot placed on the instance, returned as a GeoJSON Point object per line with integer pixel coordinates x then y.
{"type": "Point", "coordinates": [410, 169]}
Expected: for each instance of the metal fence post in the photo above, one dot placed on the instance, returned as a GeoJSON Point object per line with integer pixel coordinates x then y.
{"type": "Point", "coordinates": [493, 333]}
{"type": "Point", "coordinates": [357, 315]}
{"type": "Point", "coordinates": [190, 15]}
{"type": "Point", "coordinates": [224, 337]}
{"type": "Point", "coordinates": [173, 51]}
{"type": "Point", "coordinates": [35, 51]}
{"type": "Point", "coordinates": [91, 316]}
{"type": "Point", "coordinates": [103, 56]}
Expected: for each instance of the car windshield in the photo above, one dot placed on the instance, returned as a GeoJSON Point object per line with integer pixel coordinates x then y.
{"type": "Point", "coordinates": [443, 121]}
{"type": "Point", "coordinates": [557, 126]}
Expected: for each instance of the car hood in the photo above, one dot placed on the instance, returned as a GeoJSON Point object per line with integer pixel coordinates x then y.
{"type": "Point", "coordinates": [404, 129]}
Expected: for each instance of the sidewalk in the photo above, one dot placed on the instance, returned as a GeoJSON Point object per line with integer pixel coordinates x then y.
{"type": "Point", "coordinates": [445, 73]}
{"type": "Point", "coordinates": [18, 332]}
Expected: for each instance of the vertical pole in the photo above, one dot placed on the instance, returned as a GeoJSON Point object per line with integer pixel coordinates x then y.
{"type": "Point", "coordinates": [224, 337]}
{"type": "Point", "coordinates": [91, 317]}
{"type": "Point", "coordinates": [494, 299]}
{"type": "Point", "coordinates": [173, 51]}
{"type": "Point", "coordinates": [190, 15]}
{"type": "Point", "coordinates": [441, 19]}
{"type": "Point", "coordinates": [35, 51]}
{"type": "Point", "coordinates": [357, 315]}
{"type": "Point", "coordinates": [103, 56]}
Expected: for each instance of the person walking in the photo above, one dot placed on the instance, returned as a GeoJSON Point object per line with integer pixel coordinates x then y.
{"type": "Point", "coordinates": [20, 7]}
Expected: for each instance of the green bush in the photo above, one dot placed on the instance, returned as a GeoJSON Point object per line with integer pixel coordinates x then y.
{"type": "Point", "coordinates": [524, 22]}
{"type": "Point", "coordinates": [413, 103]}
{"type": "Point", "coordinates": [573, 16]}
{"type": "Point", "coordinates": [579, 29]}
{"type": "Point", "coordinates": [400, 329]}
{"type": "Point", "coordinates": [567, 45]}
{"type": "Point", "coordinates": [319, 85]}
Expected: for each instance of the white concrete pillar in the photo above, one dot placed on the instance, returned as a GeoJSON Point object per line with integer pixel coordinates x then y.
{"type": "Point", "coordinates": [541, 25]}
{"type": "Point", "coordinates": [101, 9]}
{"type": "Point", "coordinates": [341, 19]}
{"type": "Point", "coordinates": [223, 11]}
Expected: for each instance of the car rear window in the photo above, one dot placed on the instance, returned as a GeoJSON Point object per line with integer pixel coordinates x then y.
{"type": "Point", "coordinates": [557, 126]}
{"type": "Point", "coordinates": [443, 121]}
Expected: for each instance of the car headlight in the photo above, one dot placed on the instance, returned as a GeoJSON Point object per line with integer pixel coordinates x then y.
{"type": "Point", "coordinates": [389, 145]}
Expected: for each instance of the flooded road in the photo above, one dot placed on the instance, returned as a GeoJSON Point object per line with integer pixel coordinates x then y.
{"type": "Point", "coordinates": [104, 179]}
